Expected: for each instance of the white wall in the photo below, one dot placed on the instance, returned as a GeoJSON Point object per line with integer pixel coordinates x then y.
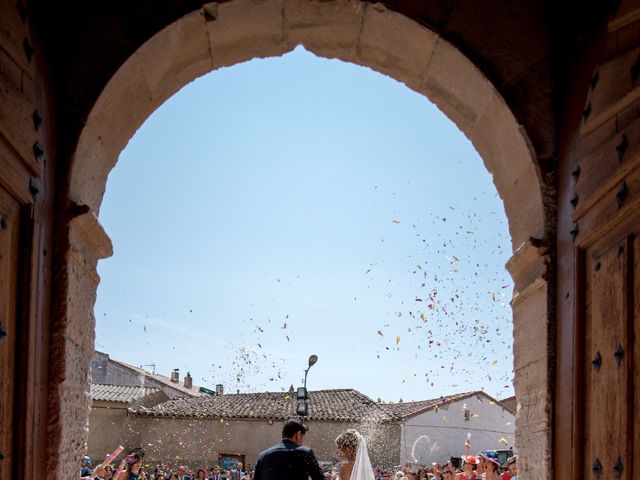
{"type": "Point", "coordinates": [436, 436]}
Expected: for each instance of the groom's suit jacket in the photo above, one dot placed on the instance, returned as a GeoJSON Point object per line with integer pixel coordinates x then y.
{"type": "Point", "coordinates": [287, 461]}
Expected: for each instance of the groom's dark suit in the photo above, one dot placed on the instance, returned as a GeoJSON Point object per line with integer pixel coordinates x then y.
{"type": "Point", "coordinates": [287, 461]}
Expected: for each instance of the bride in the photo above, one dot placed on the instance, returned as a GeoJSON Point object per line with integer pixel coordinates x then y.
{"type": "Point", "coordinates": [354, 457]}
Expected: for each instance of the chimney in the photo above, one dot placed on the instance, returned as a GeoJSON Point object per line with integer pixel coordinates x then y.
{"type": "Point", "coordinates": [219, 389]}
{"type": "Point", "coordinates": [188, 381]}
{"type": "Point", "coordinates": [175, 375]}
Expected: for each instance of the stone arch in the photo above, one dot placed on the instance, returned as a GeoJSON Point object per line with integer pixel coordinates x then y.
{"type": "Point", "coordinates": [223, 34]}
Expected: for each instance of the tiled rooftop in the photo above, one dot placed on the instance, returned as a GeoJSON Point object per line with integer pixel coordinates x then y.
{"type": "Point", "coordinates": [346, 405]}
{"type": "Point", "coordinates": [408, 409]}
{"type": "Point", "coordinates": [120, 393]}
{"type": "Point", "coordinates": [192, 392]}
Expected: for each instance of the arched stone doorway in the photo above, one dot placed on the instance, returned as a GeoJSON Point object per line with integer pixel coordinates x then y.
{"type": "Point", "coordinates": [220, 35]}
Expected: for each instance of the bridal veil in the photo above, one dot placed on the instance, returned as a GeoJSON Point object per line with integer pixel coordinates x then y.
{"type": "Point", "coordinates": [362, 469]}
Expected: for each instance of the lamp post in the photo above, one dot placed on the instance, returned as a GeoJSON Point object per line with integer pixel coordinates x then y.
{"type": "Point", "coordinates": [312, 361]}
{"type": "Point", "coordinates": [302, 410]}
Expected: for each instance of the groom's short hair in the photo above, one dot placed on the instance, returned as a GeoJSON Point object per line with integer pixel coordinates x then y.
{"type": "Point", "coordinates": [291, 427]}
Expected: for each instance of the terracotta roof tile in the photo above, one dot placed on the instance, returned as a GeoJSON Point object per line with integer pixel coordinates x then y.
{"type": "Point", "coordinates": [409, 409]}
{"type": "Point", "coordinates": [192, 392]}
{"type": "Point", "coordinates": [120, 393]}
{"type": "Point", "coordinates": [345, 405]}
{"type": "Point", "coordinates": [337, 405]}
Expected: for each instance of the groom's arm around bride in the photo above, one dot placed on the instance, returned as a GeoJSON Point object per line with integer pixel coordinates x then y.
{"type": "Point", "coordinates": [289, 459]}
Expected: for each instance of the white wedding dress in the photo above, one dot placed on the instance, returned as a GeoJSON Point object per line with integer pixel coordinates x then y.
{"type": "Point", "coordinates": [362, 469]}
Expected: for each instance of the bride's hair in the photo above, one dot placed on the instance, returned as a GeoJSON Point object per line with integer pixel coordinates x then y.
{"type": "Point", "coordinates": [348, 442]}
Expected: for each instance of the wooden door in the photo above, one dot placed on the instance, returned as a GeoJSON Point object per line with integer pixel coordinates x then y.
{"type": "Point", "coordinates": [15, 245]}
{"type": "Point", "coordinates": [606, 321]}
{"type": "Point", "coordinates": [597, 377]}
{"type": "Point", "coordinates": [25, 251]}
{"type": "Point", "coordinates": [12, 242]}
{"type": "Point", "coordinates": [605, 250]}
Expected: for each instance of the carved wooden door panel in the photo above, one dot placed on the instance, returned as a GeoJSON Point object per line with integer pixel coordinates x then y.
{"type": "Point", "coordinates": [607, 283]}
{"type": "Point", "coordinates": [597, 388]}
{"type": "Point", "coordinates": [607, 360]}
{"type": "Point", "coordinates": [24, 266]}
{"type": "Point", "coordinates": [10, 246]}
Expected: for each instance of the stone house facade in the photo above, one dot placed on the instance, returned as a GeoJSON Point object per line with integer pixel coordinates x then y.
{"type": "Point", "coordinates": [200, 431]}
{"type": "Point", "coordinates": [109, 423]}
{"type": "Point", "coordinates": [108, 371]}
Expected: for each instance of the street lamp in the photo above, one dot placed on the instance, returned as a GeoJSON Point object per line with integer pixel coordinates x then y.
{"type": "Point", "coordinates": [312, 361]}
{"type": "Point", "coordinates": [302, 396]}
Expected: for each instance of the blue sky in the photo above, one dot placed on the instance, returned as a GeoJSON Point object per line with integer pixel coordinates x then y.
{"type": "Point", "coordinates": [298, 205]}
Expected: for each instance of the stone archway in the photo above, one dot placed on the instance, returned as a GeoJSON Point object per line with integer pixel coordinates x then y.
{"type": "Point", "coordinates": [223, 34]}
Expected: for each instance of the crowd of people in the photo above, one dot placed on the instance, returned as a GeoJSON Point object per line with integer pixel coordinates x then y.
{"type": "Point", "coordinates": [481, 467]}
{"type": "Point", "coordinates": [290, 459]}
{"type": "Point", "coordinates": [484, 466]}
{"type": "Point", "coordinates": [138, 471]}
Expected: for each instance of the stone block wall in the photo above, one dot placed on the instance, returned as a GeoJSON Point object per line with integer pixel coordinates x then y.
{"type": "Point", "coordinates": [533, 365]}
{"type": "Point", "coordinates": [222, 34]}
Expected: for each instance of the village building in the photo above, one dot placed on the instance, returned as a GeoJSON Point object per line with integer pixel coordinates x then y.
{"type": "Point", "coordinates": [108, 371]}
{"type": "Point", "coordinates": [226, 428]}
{"type": "Point", "coordinates": [510, 402]}
{"type": "Point", "coordinates": [436, 430]}
{"type": "Point", "coordinates": [115, 387]}
{"type": "Point", "coordinates": [109, 419]}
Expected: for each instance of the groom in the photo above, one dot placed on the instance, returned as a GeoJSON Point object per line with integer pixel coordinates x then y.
{"type": "Point", "coordinates": [289, 459]}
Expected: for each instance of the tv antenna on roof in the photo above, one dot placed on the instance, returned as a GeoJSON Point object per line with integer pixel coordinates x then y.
{"type": "Point", "coordinates": [153, 365]}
